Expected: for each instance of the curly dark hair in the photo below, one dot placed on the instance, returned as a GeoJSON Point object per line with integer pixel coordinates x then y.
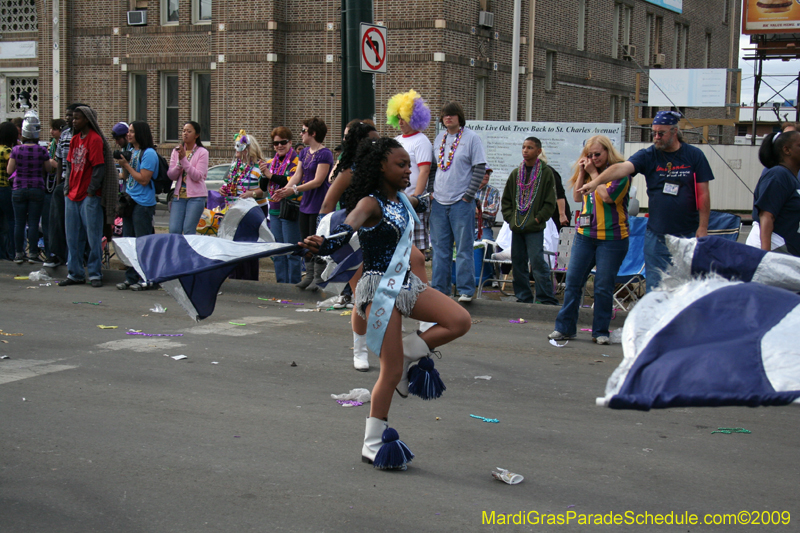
{"type": "Point", "coordinates": [354, 136]}
{"type": "Point", "coordinates": [368, 175]}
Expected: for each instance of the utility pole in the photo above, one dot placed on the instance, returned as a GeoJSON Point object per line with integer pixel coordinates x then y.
{"type": "Point", "coordinates": [358, 88]}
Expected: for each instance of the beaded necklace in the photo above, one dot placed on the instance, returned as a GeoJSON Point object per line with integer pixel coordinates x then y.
{"type": "Point", "coordinates": [279, 168]}
{"type": "Point", "coordinates": [445, 165]}
{"type": "Point", "coordinates": [526, 192]}
{"type": "Point", "coordinates": [239, 169]}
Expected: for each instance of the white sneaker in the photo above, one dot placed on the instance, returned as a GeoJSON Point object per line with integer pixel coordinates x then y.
{"type": "Point", "coordinates": [465, 298]}
{"type": "Point", "coordinates": [601, 340]}
{"type": "Point", "coordinates": [558, 336]}
{"type": "Point", "coordinates": [342, 302]}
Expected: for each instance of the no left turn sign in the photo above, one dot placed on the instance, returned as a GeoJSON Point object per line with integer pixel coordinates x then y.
{"type": "Point", "coordinates": [373, 48]}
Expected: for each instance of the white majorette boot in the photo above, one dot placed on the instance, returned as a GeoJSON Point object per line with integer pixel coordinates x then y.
{"type": "Point", "coordinates": [414, 349]}
{"type": "Point", "coordinates": [372, 438]}
{"type": "Point", "coordinates": [383, 447]}
{"type": "Point", "coordinates": [425, 326]}
{"type": "Point", "coordinates": [360, 352]}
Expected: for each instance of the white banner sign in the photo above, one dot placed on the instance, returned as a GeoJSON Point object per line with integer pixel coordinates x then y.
{"type": "Point", "coordinates": [18, 50]}
{"type": "Point", "coordinates": [687, 87]}
{"type": "Point", "coordinates": [562, 143]}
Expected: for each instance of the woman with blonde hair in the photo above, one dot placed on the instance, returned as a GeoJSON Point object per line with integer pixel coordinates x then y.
{"type": "Point", "coordinates": [601, 240]}
{"type": "Point", "coordinates": [242, 182]}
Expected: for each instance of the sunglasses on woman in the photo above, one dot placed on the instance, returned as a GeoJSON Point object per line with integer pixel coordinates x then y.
{"type": "Point", "coordinates": [281, 143]}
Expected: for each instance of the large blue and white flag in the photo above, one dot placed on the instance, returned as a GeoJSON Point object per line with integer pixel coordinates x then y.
{"type": "Point", "coordinates": [709, 342]}
{"type": "Point", "coordinates": [192, 268]}
{"type": "Point", "coordinates": [344, 262]}
{"type": "Point", "coordinates": [731, 260]}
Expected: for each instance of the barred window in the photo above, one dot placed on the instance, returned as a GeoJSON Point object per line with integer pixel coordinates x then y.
{"type": "Point", "coordinates": [18, 16]}
{"type": "Point", "coordinates": [22, 91]}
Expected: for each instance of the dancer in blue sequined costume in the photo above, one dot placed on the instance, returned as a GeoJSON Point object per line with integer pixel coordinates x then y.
{"type": "Point", "coordinates": [381, 216]}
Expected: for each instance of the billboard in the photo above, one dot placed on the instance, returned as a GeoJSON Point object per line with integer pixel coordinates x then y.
{"type": "Point", "coordinates": [770, 16]}
{"type": "Point", "coordinates": [687, 87]}
{"type": "Point", "coordinates": [672, 5]}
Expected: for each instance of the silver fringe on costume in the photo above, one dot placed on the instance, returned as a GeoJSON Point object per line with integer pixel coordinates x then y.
{"type": "Point", "coordinates": [406, 298]}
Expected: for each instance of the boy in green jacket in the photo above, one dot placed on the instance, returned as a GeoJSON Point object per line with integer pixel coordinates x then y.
{"type": "Point", "coordinates": [529, 200]}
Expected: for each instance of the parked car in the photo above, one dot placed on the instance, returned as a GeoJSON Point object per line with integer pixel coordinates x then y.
{"type": "Point", "coordinates": [214, 180]}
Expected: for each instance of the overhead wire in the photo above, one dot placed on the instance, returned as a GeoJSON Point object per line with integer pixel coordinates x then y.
{"type": "Point", "coordinates": [688, 120]}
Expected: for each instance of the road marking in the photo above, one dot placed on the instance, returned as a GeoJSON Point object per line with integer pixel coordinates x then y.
{"type": "Point", "coordinates": [15, 370]}
{"type": "Point", "coordinates": [226, 328]}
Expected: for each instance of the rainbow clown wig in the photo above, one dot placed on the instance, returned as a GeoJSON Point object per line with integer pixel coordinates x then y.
{"type": "Point", "coordinates": [410, 107]}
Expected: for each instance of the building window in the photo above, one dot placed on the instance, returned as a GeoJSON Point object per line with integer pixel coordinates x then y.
{"type": "Point", "coordinates": [549, 70]}
{"type": "Point", "coordinates": [707, 58]}
{"type": "Point", "coordinates": [658, 31]}
{"type": "Point", "coordinates": [648, 40]}
{"type": "Point", "coordinates": [680, 44]}
{"type": "Point", "coordinates": [137, 96]}
{"type": "Point", "coordinates": [612, 109]}
{"type": "Point", "coordinates": [21, 92]}
{"type": "Point", "coordinates": [480, 98]}
{"type": "Point", "coordinates": [18, 16]}
{"type": "Point", "coordinates": [621, 35]}
{"type": "Point", "coordinates": [201, 12]}
{"type": "Point", "coordinates": [170, 128]}
{"type": "Point", "coordinates": [741, 130]}
{"type": "Point", "coordinates": [725, 10]}
{"type": "Point", "coordinates": [581, 45]}
{"type": "Point", "coordinates": [201, 103]}
{"type": "Point", "coordinates": [169, 11]}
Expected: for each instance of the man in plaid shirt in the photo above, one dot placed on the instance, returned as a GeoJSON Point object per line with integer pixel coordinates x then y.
{"type": "Point", "coordinates": [487, 205]}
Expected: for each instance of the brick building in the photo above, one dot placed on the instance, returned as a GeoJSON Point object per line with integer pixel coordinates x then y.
{"type": "Point", "coordinates": [256, 64]}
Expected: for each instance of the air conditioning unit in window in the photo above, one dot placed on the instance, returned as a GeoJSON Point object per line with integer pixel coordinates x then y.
{"type": "Point", "coordinates": [486, 18]}
{"type": "Point", "coordinates": [628, 51]}
{"type": "Point", "coordinates": [137, 18]}
{"type": "Point", "coordinates": [659, 60]}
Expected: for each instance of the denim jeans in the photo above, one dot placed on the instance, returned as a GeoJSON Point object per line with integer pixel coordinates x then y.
{"type": "Point", "coordinates": [657, 257]}
{"type": "Point", "coordinates": [185, 213]}
{"type": "Point", "coordinates": [57, 241]}
{"type": "Point", "coordinates": [48, 197]}
{"type": "Point", "coordinates": [586, 253]}
{"type": "Point", "coordinates": [84, 222]}
{"type": "Point", "coordinates": [6, 224]}
{"type": "Point", "coordinates": [448, 224]}
{"type": "Point", "coordinates": [287, 267]}
{"type": "Point", "coordinates": [139, 224]}
{"type": "Point", "coordinates": [527, 247]}
{"type": "Point", "coordinates": [28, 205]}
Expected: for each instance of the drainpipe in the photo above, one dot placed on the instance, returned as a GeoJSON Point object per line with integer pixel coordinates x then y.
{"type": "Point", "coordinates": [56, 60]}
{"type": "Point", "coordinates": [529, 68]}
{"type": "Point", "coordinates": [515, 60]}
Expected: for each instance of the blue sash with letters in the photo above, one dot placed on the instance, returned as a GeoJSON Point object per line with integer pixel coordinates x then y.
{"type": "Point", "coordinates": [391, 283]}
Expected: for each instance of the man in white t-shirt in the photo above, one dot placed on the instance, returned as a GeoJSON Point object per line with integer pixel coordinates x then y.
{"type": "Point", "coordinates": [409, 113]}
{"type": "Point", "coordinates": [461, 164]}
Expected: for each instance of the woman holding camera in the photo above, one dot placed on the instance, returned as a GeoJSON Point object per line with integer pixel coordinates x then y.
{"type": "Point", "coordinates": [188, 168]}
{"type": "Point", "coordinates": [139, 206]}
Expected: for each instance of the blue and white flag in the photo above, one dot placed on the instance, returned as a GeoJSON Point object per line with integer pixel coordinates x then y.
{"type": "Point", "coordinates": [344, 262]}
{"type": "Point", "coordinates": [731, 260]}
{"type": "Point", "coordinates": [709, 342]}
{"type": "Point", "coordinates": [192, 268]}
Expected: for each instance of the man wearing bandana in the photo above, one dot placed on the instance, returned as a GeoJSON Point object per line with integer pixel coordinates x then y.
{"type": "Point", "coordinates": [677, 176]}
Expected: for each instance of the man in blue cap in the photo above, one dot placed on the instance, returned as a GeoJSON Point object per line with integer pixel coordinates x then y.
{"type": "Point", "coordinates": [677, 176]}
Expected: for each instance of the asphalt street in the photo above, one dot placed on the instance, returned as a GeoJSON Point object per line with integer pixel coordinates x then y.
{"type": "Point", "coordinates": [102, 432]}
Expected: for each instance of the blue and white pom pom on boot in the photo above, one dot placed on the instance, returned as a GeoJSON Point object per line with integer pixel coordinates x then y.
{"type": "Point", "coordinates": [383, 448]}
{"type": "Point", "coordinates": [414, 349]}
{"type": "Point", "coordinates": [424, 380]}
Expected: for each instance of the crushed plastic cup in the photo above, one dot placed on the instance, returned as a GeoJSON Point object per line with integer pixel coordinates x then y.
{"type": "Point", "coordinates": [616, 336]}
{"type": "Point", "coordinates": [158, 308]}
{"type": "Point", "coordinates": [41, 275]}
{"type": "Point", "coordinates": [507, 477]}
